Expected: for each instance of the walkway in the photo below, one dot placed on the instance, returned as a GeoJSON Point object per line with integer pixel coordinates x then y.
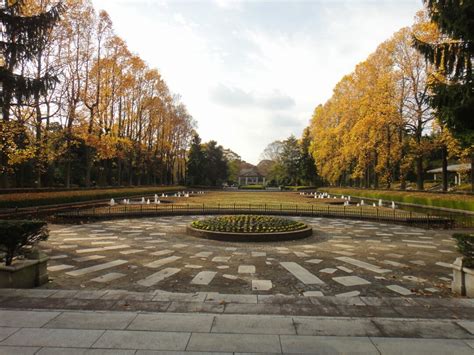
{"type": "Point", "coordinates": [43, 321]}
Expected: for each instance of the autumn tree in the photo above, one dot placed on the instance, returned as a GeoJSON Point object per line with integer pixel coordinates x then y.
{"type": "Point", "coordinates": [22, 38]}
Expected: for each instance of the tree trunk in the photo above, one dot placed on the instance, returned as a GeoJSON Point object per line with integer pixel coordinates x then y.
{"type": "Point", "coordinates": [68, 172]}
{"type": "Point", "coordinates": [419, 173]}
{"type": "Point", "coordinates": [472, 171]}
{"type": "Point", "coordinates": [444, 157]}
{"type": "Point", "coordinates": [88, 167]}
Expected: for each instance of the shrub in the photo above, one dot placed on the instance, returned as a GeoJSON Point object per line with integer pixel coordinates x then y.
{"type": "Point", "coordinates": [252, 187]}
{"type": "Point", "coordinates": [17, 235]}
{"type": "Point", "coordinates": [22, 200]}
{"type": "Point", "coordinates": [465, 243]}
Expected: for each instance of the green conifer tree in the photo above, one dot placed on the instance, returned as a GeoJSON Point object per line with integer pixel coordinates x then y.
{"type": "Point", "coordinates": [453, 56]}
{"type": "Point", "coordinates": [22, 37]}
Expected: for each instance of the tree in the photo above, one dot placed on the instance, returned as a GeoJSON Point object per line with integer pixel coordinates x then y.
{"type": "Point", "coordinates": [307, 168]}
{"type": "Point", "coordinates": [453, 87]}
{"type": "Point", "coordinates": [272, 151]}
{"type": "Point", "coordinates": [22, 38]}
{"type": "Point", "coordinates": [195, 164]}
{"type": "Point", "coordinates": [417, 115]}
{"type": "Point", "coordinates": [234, 162]}
{"type": "Point", "coordinates": [215, 164]}
{"type": "Point", "coordinates": [290, 159]}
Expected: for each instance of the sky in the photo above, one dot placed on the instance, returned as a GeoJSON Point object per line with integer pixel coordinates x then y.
{"type": "Point", "coordinates": [252, 71]}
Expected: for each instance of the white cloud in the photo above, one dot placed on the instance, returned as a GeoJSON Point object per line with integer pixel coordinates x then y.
{"type": "Point", "coordinates": [229, 4]}
{"type": "Point", "coordinates": [251, 72]}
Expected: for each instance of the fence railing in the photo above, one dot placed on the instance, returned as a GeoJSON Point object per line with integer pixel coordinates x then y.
{"type": "Point", "coordinates": [350, 212]}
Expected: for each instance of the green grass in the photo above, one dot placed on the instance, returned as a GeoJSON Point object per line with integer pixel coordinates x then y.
{"type": "Point", "coordinates": [457, 202]}
{"type": "Point", "coordinates": [34, 199]}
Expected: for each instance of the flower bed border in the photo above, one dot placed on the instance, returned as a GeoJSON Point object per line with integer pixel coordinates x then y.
{"type": "Point", "coordinates": [250, 237]}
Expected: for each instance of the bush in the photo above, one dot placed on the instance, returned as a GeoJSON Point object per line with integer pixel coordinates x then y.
{"type": "Point", "coordinates": [445, 200]}
{"type": "Point", "coordinates": [18, 235]}
{"type": "Point", "coordinates": [465, 244]}
{"type": "Point", "coordinates": [252, 187]}
{"type": "Point", "coordinates": [22, 200]}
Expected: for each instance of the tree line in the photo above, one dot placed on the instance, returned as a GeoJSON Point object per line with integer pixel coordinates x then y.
{"type": "Point", "coordinates": [289, 162]}
{"type": "Point", "coordinates": [78, 107]}
{"type": "Point", "coordinates": [394, 113]}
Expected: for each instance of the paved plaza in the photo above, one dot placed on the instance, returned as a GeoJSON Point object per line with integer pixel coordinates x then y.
{"type": "Point", "coordinates": [343, 258]}
{"type": "Point", "coordinates": [143, 287]}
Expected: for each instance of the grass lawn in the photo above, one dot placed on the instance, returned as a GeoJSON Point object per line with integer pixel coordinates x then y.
{"type": "Point", "coordinates": [258, 201]}
{"type": "Point", "coordinates": [33, 199]}
{"type": "Point", "coordinates": [454, 201]}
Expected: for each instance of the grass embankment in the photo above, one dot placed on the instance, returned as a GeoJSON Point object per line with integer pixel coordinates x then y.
{"type": "Point", "coordinates": [453, 201]}
{"type": "Point", "coordinates": [33, 199]}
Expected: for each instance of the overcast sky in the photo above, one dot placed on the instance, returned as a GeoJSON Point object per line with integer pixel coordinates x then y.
{"type": "Point", "coordinates": [251, 72]}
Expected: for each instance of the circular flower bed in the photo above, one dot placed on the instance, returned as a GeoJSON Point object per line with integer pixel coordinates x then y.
{"type": "Point", "coordinates": [249, 228]}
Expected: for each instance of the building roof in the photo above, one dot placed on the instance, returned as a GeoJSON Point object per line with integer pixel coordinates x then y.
{"type": "Point", "coordinates": [452, 168]}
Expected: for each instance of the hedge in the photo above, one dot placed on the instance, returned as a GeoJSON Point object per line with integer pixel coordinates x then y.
{"type": "Point", "coordinates": [53, 198]}
{"type": "Point", "coordinates": [453, 201]}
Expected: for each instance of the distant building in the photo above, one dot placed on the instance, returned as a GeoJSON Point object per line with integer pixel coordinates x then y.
{"type": "Point", "coordinates": [251, 176]}
{"type": "Point", "coordinates": [457, 169]}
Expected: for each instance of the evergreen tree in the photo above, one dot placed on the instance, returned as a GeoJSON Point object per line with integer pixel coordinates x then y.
{"type": "Point", "coordinates": [290, 159]}
{"type": "Point", "coordinates": [216, 169]}
{"type": "Point", "coordinates": [307, 164]}
{"type": "Point", "coordinates": [453, 89]}
{"type": "Point", "coordinates": [195, 164]}
{"type": "Point", "coordinates": [22, 37]}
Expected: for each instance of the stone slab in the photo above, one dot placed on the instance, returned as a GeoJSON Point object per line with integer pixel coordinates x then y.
{"type": "Point", "coordinates": [395, 346]}
{"type": "Point", "coordinates": [246, 269]}
{"type": "Point", "coordinates": [234, 342]}
{"type": "Point", "coordinates": [203, 278]}
{"type": "Point", "coordinates": [92, 320]}
{"type": "Point", "coordinates": [54, 337]}
{"type": "Point", "coordinates": [25, 318]}
{"type": "Point", "coordinates": [320, 326]}
{"type": "Point", "coordinates": [468, 325]}
{"type": "Point", "coordinates": [95, 268]}
{"type": "Point", "coordinates": [261, 285]}
{"type": "Point", "coordinates": [327, 345]}
{"type": "Point", "coordinates": [363, 265]}
{"type": "Point", "coordinates": [89, 258]}
{"type": "Point", "coordinates": [93, 250]}
{"type": "Point", "coordinates": [60, 267]}
{"type": "Point", "coordinates": [142, 340]}
{"type": "Point", "coordinates": [19, 350]}
{"type": "Point", "coordinates": [253, 324]}
{"type": "Point", "coordinates": [196, 323]}
{"type": "Point", "coordinates": [108, 277]}
{"type": "Point", "coordinates": [158, 276]}
{"type": "Point", "coordinates": [351, 280]}
{"type": "Point", "coordinates": [160, 262]}
{"type": "Point", "coordinates": [400, 290]}
{"type": "Point", "coordinates": [302, 274]}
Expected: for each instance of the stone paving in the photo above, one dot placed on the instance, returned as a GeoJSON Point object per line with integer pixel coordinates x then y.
{"type": "Point", "coordinates": [343, 258]}
{"type": "Point", "coordinates": [80, 332]}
